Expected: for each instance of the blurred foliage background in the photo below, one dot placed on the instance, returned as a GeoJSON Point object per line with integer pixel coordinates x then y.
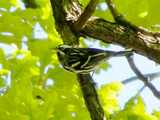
{"type": "Point", "coordinates": [34, 86]}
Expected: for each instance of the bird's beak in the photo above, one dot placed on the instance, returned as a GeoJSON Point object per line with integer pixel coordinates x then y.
{"type": "Point", "coordinates": [54, 50]}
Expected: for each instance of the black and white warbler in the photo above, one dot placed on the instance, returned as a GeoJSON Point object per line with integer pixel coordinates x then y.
{"type": "Point", "coordinates": [84, 60]}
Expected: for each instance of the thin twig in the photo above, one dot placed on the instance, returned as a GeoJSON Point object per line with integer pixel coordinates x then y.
{"type": "Point", "coordinates": [144, 79]}
{"type": "Point", "coordinates": [151, 76]}
{"type": "Point", "coordinates": [138, 93]}
{"type": "Point", "coordinates": [87, 13]}
{"type": "Point", "coordinates": [113, 10]}
{"type": "Point", "coordinates": [119, 18]}
{"type": "Point", "coordinates": [140, 90]}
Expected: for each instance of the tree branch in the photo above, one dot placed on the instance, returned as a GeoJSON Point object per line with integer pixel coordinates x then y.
{"type": "Point", "coordinates": [145, 44]}
{"type": "Point", "coordinates": [91, 97]}
{"type": "Point", "coordinates": [119, 18]}
{"type": "Point", "coordinates": [140, 90]}
{"type": "Point", "coordinates": [87, 13]}
{"type": "Point", "coordinates": [63, 26]}
{"type": "Point", "coordinates": [150, 76]}
{"type": "Point", "coordinates": [141, 77]}
{"type": "Point", "coordinates": [113, 10]}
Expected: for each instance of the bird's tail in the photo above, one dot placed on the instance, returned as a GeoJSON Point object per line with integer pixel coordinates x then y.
{"type": "Point", "coordinates": [120, 53]}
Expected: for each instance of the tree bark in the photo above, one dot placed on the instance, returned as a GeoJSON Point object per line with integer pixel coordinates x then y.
{"type": "Point", "coordinates": [70, 35]}
{"type": "Point", "coordinates": [146, 44]}
{"type": "Point", "coordinates": [68, 15]}
{"type": "Point", "coordinates": [90, 96]}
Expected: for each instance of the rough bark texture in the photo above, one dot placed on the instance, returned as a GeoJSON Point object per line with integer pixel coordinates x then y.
{"type": "Point", "coordinates": [67, 13]}
{"type": "Point", "coordinates": [64, 20]}
{"type": "Point", "coordinates": [146, 44]}
{"type": "Point", "coordinates": [91, 98]}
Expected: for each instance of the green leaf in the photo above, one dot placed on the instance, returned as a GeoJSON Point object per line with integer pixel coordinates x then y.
{"type": "Point", "coordinates": [134, 110]}
{"type": "Point", "coordinates": [108, 94]}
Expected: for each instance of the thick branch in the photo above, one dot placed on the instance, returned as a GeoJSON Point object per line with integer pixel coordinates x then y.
{"type": "Point", "coordinates": [144, 44]}
{"type": "Point", "coordinates": [62, 19]}
{"type": "Point", "coordinates": [90, 96]}
{"type": "Point", "coordinates": [62, 25]}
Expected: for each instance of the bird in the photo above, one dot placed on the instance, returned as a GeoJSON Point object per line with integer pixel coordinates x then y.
{"type": "Point", "coordinates": [85, 60]}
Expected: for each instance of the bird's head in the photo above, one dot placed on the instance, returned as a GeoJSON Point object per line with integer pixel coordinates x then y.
{"type": "Point", "coordinates": [62, 48]}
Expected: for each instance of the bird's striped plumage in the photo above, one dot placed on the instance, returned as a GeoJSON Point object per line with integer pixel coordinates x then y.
{"type": "Point", "coordinates": [84, 60]}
